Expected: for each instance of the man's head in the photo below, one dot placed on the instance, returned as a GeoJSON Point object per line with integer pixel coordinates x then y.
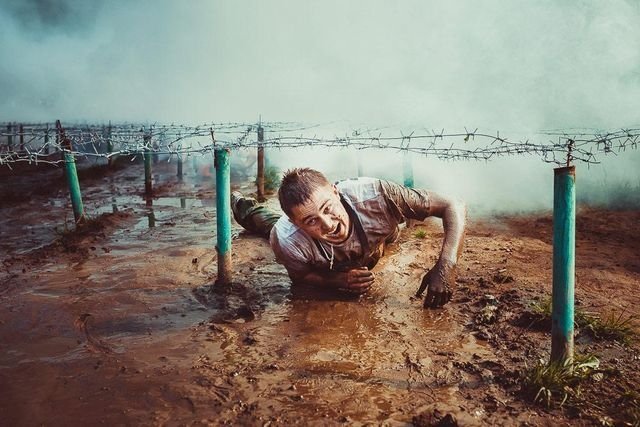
{"type": "Point", "coordinates": [313, 204]}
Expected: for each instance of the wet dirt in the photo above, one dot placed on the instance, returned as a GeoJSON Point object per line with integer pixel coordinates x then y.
{"type": "Point", "coordinates": [121, 324]}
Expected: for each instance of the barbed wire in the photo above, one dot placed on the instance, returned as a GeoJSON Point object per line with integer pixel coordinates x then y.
{"type": "Point", "coordinates": [42, 143]}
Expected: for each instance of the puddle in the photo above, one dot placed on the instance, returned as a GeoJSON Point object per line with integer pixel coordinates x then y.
{"type": "Point", "coordinates": [131, 314]}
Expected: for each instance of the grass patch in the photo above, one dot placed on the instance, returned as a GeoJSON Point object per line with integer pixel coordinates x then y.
{"type": "Point", "coordinates": [420, 234]}
{"type": "Point", "coordinates": [542, 308]}
{"type": "Point", "coordinates": [610, 326]}
{"type": "Point", "coordinates": [613, 326]}
{"type": "Point", "coordinates": [629, 407]}
{"type": "Point", "coordinates": [553, 384]}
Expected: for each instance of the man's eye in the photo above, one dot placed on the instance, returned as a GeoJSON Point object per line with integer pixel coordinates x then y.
{"type": "Point", "coordinates": [311, 222]}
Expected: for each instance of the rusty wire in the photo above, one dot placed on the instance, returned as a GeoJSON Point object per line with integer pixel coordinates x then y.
{"type": "Point", "coordinates": [39, 142]}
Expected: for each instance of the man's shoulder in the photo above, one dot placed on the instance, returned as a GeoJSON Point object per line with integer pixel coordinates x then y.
{"type": "Point", "coordinates": [284, 228]}
{"type": "Point", "coordinates": [291, 246]}
{"type": "Point", "coordinates": [360, 189]}
{"type": "Point", "coordinates": [286, 233]}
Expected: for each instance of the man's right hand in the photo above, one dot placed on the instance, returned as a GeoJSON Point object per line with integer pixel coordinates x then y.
{"type": "Point", "coordinates": [357, 280]}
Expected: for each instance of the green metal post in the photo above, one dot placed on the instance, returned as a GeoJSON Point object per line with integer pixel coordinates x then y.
{"type": "Point", "coordinates": [223, 215]}
{"type": "Point", "coordinates": [148, 185]}
{"type": "Point", "coordinates": [407, 168]}
{"type": "Point", "coordinates": [74, 187]}
{"type": "Point", "coordinates": [564, 244]}
{"type": "Point", "coordinates": [71, 174]}
{"type": "Point", "coordinates": [179, 167]}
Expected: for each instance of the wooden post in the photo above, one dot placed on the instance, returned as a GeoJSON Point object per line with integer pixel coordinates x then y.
{"type": "Point", "coordinates": [46, 140]}
{"type": "Point", "coordinates": [155, 146]}
{"type": "Point", "coordinates": [9, 137]}
{"type": "Point", "coordinates": [109, 146]}
{"type": "Point", "coordinates": [179, 167]}
{"type": "Point", "coordinates": [21, 137]}
{"type": "Point", "coordinates": [260, 177]}
{"type": "Point", "coordinates": [57, 138]}
{"type": "Point", "coordinates": [148, 184]}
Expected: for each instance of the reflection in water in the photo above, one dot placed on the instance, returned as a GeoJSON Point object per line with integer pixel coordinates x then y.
{"type": "Point", "coordinates": [183, 202]}
{"type": "Point", "coordinates": [150, 214]}
{"type": "Point", "coordinates": [114, 206]}
{"type": "Point", "coordinates": [152, 219]}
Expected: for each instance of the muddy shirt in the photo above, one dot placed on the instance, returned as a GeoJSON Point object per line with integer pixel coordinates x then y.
{"type": "Point", "coordinates": [376, 208]}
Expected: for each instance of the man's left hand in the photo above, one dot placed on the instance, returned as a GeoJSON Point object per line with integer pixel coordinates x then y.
{"type": "Point", "coordinates": [439, 282]}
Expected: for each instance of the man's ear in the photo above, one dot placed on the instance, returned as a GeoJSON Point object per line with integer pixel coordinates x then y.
{"type": "Point", "coordinates": [335, 189]}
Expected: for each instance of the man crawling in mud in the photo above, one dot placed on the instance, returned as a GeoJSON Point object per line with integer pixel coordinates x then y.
{"type": "Point", "coordinates": [333, 234]}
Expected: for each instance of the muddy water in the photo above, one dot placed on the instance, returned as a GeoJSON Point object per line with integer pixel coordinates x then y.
{"type": "Point", "coordinates": [133, 332]}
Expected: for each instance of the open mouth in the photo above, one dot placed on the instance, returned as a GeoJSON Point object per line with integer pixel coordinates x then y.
{"type": "Point", "coordinates": [336, 231]}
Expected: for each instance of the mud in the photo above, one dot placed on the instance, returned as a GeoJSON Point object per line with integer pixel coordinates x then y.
{"type": "Point", "coordinates": [120, 323]}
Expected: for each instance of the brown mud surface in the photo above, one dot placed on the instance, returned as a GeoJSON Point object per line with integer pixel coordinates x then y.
{"type": "Point", "coordinates": [119, 321]}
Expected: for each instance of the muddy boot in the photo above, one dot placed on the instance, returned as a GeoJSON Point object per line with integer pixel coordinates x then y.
{"type": "Point", "coordinates": [241, 206]}
{"type": "Point", "coordinates": [252, 216]}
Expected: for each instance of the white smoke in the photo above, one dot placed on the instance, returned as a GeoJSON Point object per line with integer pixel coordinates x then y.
{"type": "Point", "coordinates": [516, 66]}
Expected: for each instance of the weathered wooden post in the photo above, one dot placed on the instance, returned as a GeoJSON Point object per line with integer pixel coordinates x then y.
{"type": "Point", "coordinates": [9, 137]}
{"type": "Point", "coordinates": [223, 215]}
{"type": "Point", "coordinates": [179, 174]}
{"type": "Point", "coordinates": [156, 147]}
{"type": "Point", "coordinates": [110, 160]}
{"type": "Point", "coordinates": [260, 177]}
{"type": "Point", "coordinates": [46, 140]}
{"type": "Point", "coordinates": [57, 140]}
{"type": "Point", "coordinates": [148, 183]}
{"type": "Point", "coordinates": [21, 137]}
{"type": "Point", "coordinates": [564, 243]}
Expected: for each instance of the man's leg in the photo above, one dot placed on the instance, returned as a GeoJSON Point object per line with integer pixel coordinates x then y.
{"type": "Point", "coordinates": [251, 215]}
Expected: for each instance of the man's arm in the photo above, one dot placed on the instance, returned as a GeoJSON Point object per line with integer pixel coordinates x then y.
{"type": "Point", "coordinates": [357, 280]}
{"type": "Point", "coordinates": [453, 212]}
{"type": "Point", "coordinates": [441, 277]}
{"type": "Point", "coordinates": [418, 204]}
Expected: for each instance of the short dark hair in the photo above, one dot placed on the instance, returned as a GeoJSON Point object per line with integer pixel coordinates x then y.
{"type": "Point", "coordinates": [297, 185]}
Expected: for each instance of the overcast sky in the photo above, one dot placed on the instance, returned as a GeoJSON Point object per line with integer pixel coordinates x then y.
{"type": "Point", "coordinates": [513, 66]}
{"type": "Point", "coordinates": [494, 64]}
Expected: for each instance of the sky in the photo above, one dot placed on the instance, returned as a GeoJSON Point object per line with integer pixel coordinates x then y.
{"type": "Point", "coordinates": [514, 66]}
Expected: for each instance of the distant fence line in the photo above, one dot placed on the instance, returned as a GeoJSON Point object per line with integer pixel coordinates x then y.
{"type": "Point", "coordinates": [41, 142]}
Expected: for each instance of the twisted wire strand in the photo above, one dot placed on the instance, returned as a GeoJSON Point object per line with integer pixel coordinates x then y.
{"type": "Point", "coordinates": [41, 143]}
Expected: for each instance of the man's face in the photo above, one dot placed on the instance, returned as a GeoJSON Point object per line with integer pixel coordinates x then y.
{"type": "Point", "coordinates": [322, 216]}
